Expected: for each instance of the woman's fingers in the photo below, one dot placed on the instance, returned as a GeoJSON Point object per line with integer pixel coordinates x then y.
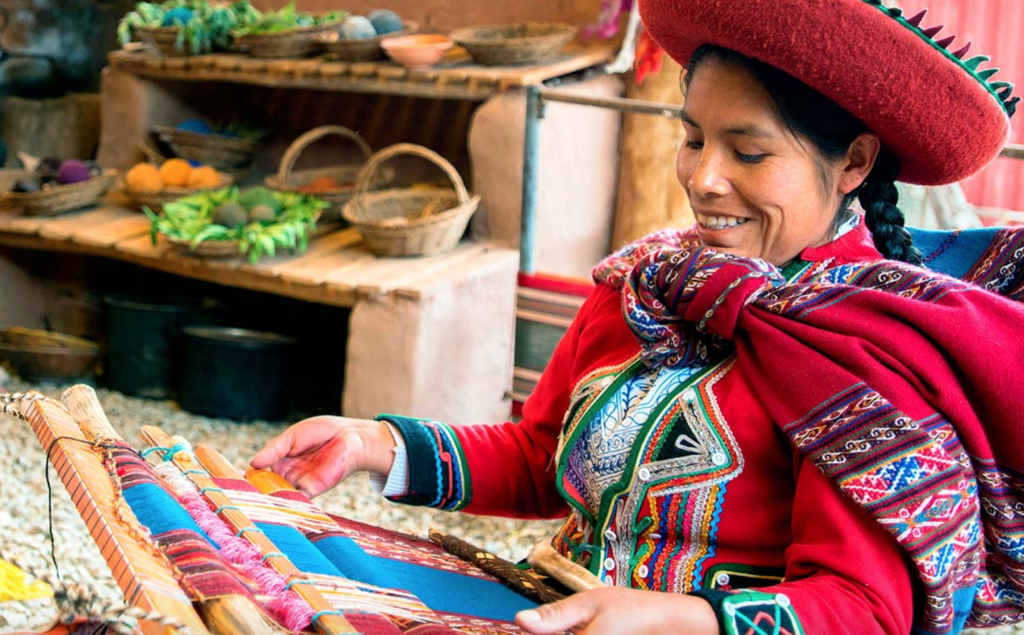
{"type": "Point", "coordinates": [574, 611]}
{"type": "Point", "coordinates": [296, 440]}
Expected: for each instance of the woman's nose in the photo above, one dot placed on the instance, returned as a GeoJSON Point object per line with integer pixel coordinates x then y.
{"type": "Point", "coordinates": [708, 178]}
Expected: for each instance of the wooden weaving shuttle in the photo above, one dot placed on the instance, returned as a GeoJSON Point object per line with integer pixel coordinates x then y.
{"type": "Point", "coordinates": [231, 614]}
{"type": "Point", "coordinates": [545, 559]}
{"type": "Point", "coordinates": [143, 577]}
{"type": "Point", "coordinates": [330, 623]}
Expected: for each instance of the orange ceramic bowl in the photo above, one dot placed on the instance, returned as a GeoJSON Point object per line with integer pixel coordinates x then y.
{"type": "Point", "coordinates": [417, 51]}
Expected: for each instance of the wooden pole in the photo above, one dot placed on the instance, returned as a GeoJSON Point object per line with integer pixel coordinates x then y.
{"type": "Point", "coordinates": [650, 196]}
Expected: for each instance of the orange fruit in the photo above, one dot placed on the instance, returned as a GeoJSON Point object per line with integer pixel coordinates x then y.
{"type": "Point", "coordinates": [175, 172]}
{"type": "Point", "coordinates": [144, 177]}
{"type": "Point", "coordinates": [204, 177]}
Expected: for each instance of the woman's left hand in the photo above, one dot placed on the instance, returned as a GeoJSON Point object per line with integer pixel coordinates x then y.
{"type": "Point", "coordinates": [617, 610]}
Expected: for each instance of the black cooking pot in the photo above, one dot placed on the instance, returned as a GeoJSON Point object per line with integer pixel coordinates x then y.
{"type": "Point", "coordinates": [236, 373]}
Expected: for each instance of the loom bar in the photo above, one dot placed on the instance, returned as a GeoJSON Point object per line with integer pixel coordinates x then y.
{"type": "Point", "coordinates": [230, 614]}
{"type": "Point", "coordinates": [329, 623]}
{"type": "Point", "coordinates": [145, 579]}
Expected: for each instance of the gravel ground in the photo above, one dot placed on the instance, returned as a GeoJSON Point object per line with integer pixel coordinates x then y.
{"type": "Point", "coordinates": [24, 514]}
{"type": "Point", "coordinates": [24, 527]}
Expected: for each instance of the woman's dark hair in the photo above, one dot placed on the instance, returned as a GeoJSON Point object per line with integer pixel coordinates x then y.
{"type": "Point", "coordinates": [832, 130]}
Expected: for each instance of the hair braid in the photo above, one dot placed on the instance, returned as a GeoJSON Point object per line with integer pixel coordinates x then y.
{"type": "Point", "coordinates": [879, 196]}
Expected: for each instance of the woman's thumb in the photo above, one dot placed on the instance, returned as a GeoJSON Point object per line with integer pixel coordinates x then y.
{"type": "Point", "coordinates": [557, 617]}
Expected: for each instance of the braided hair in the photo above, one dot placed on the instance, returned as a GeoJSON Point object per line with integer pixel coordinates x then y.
{"type": "Point", "coordinates": [832, 130]}
{"type": "Point", "coordinates": [878, 196]}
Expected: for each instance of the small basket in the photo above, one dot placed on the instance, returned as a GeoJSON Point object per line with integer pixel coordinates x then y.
{"type": "Point", "coordinates": [162, 40]}
{"type": "Point", "coordinates": [289, 180]}
{"type": "Point", "coordinates": [300, 42]}
{"type": "Point", "coordinates": [367, 50]}
{"type": "Point", "coordinates": [410, 221]}
{"type": "Point", "coordinates": [61, 198]}
{"type": "Point", "coordinates": [525, 43]}
{"type": "Point", "coordinates": [229, 154]}
{"type": "Point", "coordinates": [155, 200]}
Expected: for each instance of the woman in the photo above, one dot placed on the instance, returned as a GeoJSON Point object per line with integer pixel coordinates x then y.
{"type": "Point", "coordinates": [769, 418]}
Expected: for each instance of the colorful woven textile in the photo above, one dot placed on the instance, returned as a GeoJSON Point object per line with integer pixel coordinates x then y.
{"type": "Point", "coordinates": [886, 376]}
{"type": "Point", "coordinates": [381, 581]}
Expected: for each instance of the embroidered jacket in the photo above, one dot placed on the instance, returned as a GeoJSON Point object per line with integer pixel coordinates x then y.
{"type": "Point", "coordinates": [711, 495]}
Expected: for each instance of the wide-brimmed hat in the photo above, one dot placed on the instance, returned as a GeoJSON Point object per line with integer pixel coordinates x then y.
{"type": "Point", "coordinates": [937, 108]}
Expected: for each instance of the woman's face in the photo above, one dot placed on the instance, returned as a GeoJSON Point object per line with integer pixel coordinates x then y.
{"type": "Point", "coordinates": [756, 189]}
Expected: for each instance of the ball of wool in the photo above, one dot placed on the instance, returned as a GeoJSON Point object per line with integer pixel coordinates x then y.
{"type": "Point", "coordinates": [385, 21]}
{"type": "Point", "coordinates": [73, 171]}
{"type": "Point", "coordinates": [357, 27]}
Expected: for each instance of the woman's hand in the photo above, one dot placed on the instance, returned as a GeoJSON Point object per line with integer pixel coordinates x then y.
{"type": "Point", "coordinates": [616, 610]}
{"type": "Point", "coordinates": [317, 453]}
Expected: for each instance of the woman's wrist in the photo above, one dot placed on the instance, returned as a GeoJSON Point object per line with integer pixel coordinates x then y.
{"type": "Point", "coordinates": [379, 448]}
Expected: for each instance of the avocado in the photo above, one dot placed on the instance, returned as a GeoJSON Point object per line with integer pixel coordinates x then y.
{"type": "Point", "coordinates": [260, 195]}
{"type": "Point", "coordinates": [262, 213]}
{"type": "Point", "coordinates": [230, 215]}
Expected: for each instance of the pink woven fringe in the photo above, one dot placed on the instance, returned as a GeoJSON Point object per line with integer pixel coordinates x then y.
{"type": "Point", "coordinates": [285, 605]}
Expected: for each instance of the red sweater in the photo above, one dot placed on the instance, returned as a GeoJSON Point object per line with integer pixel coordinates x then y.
{"type": "Point", "coordinates": [743, 511]}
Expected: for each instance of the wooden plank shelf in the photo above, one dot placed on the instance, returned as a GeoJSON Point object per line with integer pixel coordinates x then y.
{"type": "Point", "coordinates": [336, 270]}
{"type": "Point", "coordinates": [456, 77]}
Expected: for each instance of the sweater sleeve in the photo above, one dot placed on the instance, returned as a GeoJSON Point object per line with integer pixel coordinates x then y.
{"type": "Point", "coordinates": [845, 575]}
{"type": "Point", "coordinates": [504, 469]}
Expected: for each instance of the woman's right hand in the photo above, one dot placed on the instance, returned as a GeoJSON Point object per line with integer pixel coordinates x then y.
{"type": "Point", "coordinates": [317, 453]}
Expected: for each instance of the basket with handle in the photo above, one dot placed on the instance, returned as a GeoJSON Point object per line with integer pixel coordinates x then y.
{"type": "Point", "coordinates": [288, 179]}
{"type": "Point", "coordinates": [365, 50]}
{"type": "Point", "coordinates": [410, 221]}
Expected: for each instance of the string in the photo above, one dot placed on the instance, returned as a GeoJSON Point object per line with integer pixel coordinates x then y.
{"type": "Point", "coordinates": [49, 493]}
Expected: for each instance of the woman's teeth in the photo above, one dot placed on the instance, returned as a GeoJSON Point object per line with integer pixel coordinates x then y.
{"type": "Point", "coordinates": [719, 222]}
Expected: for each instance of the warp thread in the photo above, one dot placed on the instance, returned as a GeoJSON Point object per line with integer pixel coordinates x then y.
{"type": "Point", "coordinates": [285, 604]}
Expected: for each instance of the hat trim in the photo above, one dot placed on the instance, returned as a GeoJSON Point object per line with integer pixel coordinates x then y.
{"type": "Point", "coordinates": [1008, 106]}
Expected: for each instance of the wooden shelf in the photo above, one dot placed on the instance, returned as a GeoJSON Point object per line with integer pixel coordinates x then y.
{"type": "Point", "coordinates": [456, 77]}
{"type": "Point", "coordinates": [336, 270]}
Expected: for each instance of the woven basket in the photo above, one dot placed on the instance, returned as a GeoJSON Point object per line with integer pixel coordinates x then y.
{"type": "Point", "coordinates": [366, 50]}
{"type": "Point", "coordinates": [229, 248]}
{"type": "Point", "coordinates": [155, 200]}
{"type": "Point", "coordinates": [410, 221]}
{"type": "Point", "coordinates": [300, 42]}
{"type": "Point", "coordinates": [162, 40]}
{"type": "Point", "coordinates": [229, 154]}
{"type": "Point", "coordinates": [61, 198]}
{"type": "Point", "coordinates": [288, 179]}
{"type": "Point", "coordinates": [526, 43]}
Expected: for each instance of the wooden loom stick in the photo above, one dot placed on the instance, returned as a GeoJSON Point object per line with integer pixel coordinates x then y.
{"type": "Point", "coordinates": [230, 614]}
{"type": "Point", "coordinates": [330, 623]}
{"type": "Point", "coordinates": [142, 576]}
{"type": "Point", "coordinates": [545, 559]}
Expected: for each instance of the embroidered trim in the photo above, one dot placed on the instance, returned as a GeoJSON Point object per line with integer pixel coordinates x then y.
{"type": "Point", "coordinates": [432, 444]}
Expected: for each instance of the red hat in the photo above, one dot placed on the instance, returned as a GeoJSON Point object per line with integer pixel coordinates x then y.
{"type": "Point", "coordinates": [933, 106]}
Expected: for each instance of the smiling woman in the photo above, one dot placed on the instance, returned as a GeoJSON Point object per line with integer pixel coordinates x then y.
{"type": "Point", "coordinates": [772, 422]}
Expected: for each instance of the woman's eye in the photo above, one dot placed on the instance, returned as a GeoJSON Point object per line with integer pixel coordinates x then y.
{"type": "Point", "coordinates": [750, 158]}
{"type": "Point", "coordinates": [694, 145]}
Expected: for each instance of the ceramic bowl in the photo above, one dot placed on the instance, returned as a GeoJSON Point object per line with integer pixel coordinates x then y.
{"type": "Point", "coordinates": [418, 52]}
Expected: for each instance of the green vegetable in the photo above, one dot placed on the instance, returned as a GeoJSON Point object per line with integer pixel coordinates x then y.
{"type": "Point", "coordinates": [284, 19]}
{"type": "Point", "coordinates": [203, 27]}
{"type": "Point", "coordinates": [191, 219]}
